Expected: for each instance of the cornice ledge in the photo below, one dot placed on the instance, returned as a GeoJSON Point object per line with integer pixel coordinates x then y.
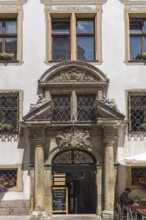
{"type": "Point", "coordinates": [12, 2]}
{"type": "Point", "coordinates": [72, 2]}
{"type": "Point", "coordinates": [135, 2]}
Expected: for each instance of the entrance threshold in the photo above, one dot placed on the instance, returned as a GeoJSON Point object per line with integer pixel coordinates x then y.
{"type": "Point", "coordinates": [76, 217]}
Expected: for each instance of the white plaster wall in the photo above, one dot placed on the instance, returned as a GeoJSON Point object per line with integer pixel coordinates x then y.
{"type": "Point", "coordinates": [25, 77]}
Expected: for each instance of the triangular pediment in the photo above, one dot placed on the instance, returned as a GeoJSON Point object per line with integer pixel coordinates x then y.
{"type": "Point", "coordinates": [40, 112]}
{"type": "Point", "coordinates": [73, 72]}
{"type": "Point", "coordinates": [108, 110]}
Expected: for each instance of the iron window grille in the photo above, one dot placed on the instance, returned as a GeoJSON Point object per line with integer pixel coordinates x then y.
{"type": "Point", "coordinates": [136, 111]}
{"type": "Point", "coordinates": [62, 108]}
{"type": "Point", "coordinates": [85, 108]}
{"type": "Point", "coordinates": [74, 157]}
{"type": "Point", "coordinates": [9, 112]}
{"type": "Point", "coordinates": [8, 36]}
{"type": "Point", "coordinates": [8, 174]}
{"type": "Point", "coordinates": [137, 172]}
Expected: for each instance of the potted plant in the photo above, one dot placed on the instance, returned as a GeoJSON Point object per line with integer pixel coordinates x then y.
{"type": "Point", "coordinates": [5, 184]}
{"type": "Point", "coordinates": [141, 56]}
{"type": "Point", "coordinates": [5, 127]}
{"type": "Point", "coordinates": [6, 56]}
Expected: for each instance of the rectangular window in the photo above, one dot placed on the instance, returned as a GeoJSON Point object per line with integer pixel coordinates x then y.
{"type": "Point", "coordinates": [85, 107]}
{"type": "Point", "coordinates": [74, 37]}
{"type": "Point", "coordinates": [7, 175]}
{"type": "Point", "coordinates": [8, 38]}
{"type": "Point", "coordinates": [138, 173]}
{"type": "Point", "coordinates": [85, 39]}
{"type": "Point", "coordinates": [137, 39]}
{"type": "Point", "coordinates": [9, 112]}
{"type": "Point", "coordinates": [61, 39]}
{"type": "Point", "coordinates": [137, 111]}
{"type": "Point", "coordinates": [62, 108]}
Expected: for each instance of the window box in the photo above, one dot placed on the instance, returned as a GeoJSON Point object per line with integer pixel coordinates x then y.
{"type": "Point", "coordinates": [6, 56]}
{"type": "Point", "coordinates": [141, 56]}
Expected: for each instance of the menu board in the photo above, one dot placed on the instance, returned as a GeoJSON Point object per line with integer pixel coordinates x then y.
{"type": "Point", "coordinates": [60, 199]}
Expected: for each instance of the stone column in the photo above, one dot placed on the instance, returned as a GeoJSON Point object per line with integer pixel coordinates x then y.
{"type": "Point", "coordinates": [39, 178]}
{"type": "Point", "coordinates": [109, 180]}
{"type": "Point", "coordinates": [99, 189]}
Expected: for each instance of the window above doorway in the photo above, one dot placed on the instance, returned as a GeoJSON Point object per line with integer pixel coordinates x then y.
{"type": "Point", "coordinates": [74, 107]}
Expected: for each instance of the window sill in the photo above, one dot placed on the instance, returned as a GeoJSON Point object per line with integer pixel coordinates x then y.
{"type": "Point", "coordinates": [59, 61]}
{"type": "Point", "coordinates": [10, 62]}
{"type": "Point", "coordinates": [136, 62]}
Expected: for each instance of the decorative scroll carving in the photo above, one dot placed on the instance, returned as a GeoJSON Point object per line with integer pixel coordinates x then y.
{"type": "Point", "coordinates": [73, 75]}
{"type": "Point", "coordinates": [73, 8]}
{"type": "Point", "coordinates": [73, 157]}
{"type": "Point", "coordinates": [73, 137]}
{"type": "Point", "coordinates": [8, 7]}
{"type": "Point", "coordinates": [138, 7]}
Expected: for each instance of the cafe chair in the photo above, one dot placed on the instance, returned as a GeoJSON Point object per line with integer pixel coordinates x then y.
{"type": "Point", "coordinates": [131, 215]}
{"type": "Point", "coordinates": [122, 214]}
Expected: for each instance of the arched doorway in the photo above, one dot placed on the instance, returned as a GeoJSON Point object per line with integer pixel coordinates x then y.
{"type": "Point", "coordinates": [79, 169]}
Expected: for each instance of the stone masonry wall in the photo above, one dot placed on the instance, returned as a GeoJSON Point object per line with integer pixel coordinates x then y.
{"type": "Point", "coordinates": [15, 207]}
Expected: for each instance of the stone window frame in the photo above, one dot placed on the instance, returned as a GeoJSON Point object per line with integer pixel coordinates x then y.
{"type": "Point", "coordinates": [14, 9]}
{"type": "Point", "coordinates": [128, 92]}
{"type": "Point", "coordinates": [9, 136]}
{"type": "Point", "coordinates": [19, 182]}
{"type": "Point", "coordinates": [132, 10]}
{"type": "Point", "coordinates": [74, 12]}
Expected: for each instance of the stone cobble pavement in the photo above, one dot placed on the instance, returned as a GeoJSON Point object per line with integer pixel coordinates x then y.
{"type": "Point", "coordinates": [56, 217]}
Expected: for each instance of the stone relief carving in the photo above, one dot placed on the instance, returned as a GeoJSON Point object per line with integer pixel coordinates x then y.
{"type": "Point", "coordinates": [110, 103]}
{"type": "Point", "coordinates": [40, 102]}
{"type": "Point", "coordinates": [73, 8]}
{"type": "Point", "coordinates": [133, 1]}
{"type": "Point", "coordinates": [8, 7]}
{"type": "Point", "coordinates": [138, 7]}
{"type": "Point", "coordinates": [73, 75]}
{"type": "Point", "coordinates": [73, 137]}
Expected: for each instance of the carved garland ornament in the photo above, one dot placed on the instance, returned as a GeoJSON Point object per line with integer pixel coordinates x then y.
{"type": "Point", "coordinates": [73, 75]}
{"type": "Point", "coordinates": [73, 137]}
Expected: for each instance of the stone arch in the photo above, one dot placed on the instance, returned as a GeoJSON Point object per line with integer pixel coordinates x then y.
{"type": "Point", "coordinates": [95, 153]}
{"type": "Point", "coordinates": [86, 68]}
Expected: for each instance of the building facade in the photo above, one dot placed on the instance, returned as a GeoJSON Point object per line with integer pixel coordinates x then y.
{"type": "Point", "coordinates": [72, 104]}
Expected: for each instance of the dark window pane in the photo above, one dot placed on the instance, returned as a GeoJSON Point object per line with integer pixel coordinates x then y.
{"type": "Point", "coordinates": [61, 48]}
{"type": "Point", "coordinates": [11, 27]}
{"type": "Point", "coordinates": [135, 26]}
{"type": "Point", "coordinates": [145, 44]}
{"type": "Point", "coordinates": [135, 47]}
{"type": "Point", "coordinates": [0, 27]}
{"type": "Point", "coordinates": [85, 107]}
{"type": "Point", "coordinates": [0, 45]}
{"type": "Point", "coordinates": [62, 108]}
{"type": "Point", "coordinates": [11, 45]}
{"type": "Point", "coordinates": [85, 48]}
{"type": "Point", "coordinates": [61, 26]}
{"type": "Point", "coordinates": [85, 26]}
{"type": "Point", "coordinates": [144, 29]}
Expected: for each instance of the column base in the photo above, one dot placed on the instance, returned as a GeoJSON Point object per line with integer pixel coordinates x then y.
{"type": "Point", "coordinates": [107, 215]}
{"type": "Point", "coordinates": [39, 215]}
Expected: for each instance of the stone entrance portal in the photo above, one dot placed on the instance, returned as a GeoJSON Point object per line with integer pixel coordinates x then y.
{"type": "Point", "coordinates": [79, 168]}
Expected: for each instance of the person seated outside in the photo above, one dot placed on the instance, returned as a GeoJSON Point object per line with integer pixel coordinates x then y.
{"type": "Point", "coordinates": [124, 197]}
